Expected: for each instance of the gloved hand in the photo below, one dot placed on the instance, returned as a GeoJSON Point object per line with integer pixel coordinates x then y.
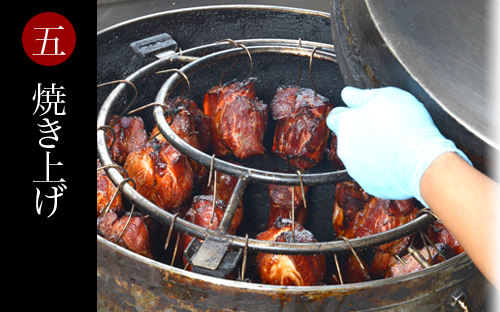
{"type": "Point", "coordinates": [386, 140]}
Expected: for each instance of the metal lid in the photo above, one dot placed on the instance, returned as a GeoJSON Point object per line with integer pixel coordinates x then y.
{"type": "Point", "coordinates": [436, 50]}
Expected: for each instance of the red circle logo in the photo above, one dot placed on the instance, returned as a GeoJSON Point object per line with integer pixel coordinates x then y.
{"type": "Point", "coordinates": [49, 39]}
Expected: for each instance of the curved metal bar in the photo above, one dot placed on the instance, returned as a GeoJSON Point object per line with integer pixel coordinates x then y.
{"type": "Point", "coordinates": [191, 229]}
{"type": "Point", "coordinates": [223, 166]}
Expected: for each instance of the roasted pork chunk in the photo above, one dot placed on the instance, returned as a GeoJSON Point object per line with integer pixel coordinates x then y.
{"type": "Point", "coordinates": [281, 203]}
{"type": "Point", "coordinates": [130, 135]}
{"type": "Point", "coordinates": [162, 174]}
{"type": "Point", "coordinates": [105, 192]}
{"type": "Point", "coordinates": [135, 237]}
{"type": "Point", "coordinates": [289, 270]}
{"type": "Point", "coordinates": [239, 119]}
{"type": "Point", "coordinates": [301, 133]}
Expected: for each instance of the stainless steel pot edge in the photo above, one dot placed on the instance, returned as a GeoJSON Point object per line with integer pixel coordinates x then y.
{"type": "Point", "coordinates": [217, 7]}
{"type": "Point", "coordinates": [456, 263]}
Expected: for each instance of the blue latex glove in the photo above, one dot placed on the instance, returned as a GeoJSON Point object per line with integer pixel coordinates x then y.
{"type": "Point", "coordinates": [386, 140]}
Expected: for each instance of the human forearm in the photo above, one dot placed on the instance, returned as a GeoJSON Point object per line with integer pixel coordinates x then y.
{"type": "Point", "coordinates": [462, 198]}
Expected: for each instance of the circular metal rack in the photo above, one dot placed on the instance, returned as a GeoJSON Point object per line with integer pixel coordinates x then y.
{"type": "Point", "coordinates": [191, 61]}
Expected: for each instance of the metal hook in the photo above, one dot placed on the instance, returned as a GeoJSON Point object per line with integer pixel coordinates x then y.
{"type": "Point", "coordinates": [428, 211]}
{"type": "Point", "coordinates": [424, 236]}
{"type": "Point", "coordinates": [234, 64]}
{"type": "Point", "coordinates": [118, 189]}
{"type": "Point", "coordinates": [101, 167]}
{"type": "Point", "coordinates": [419, 257]}
{"type": "Point", "coordinates": [146, 106]}
{"type": "Point", "coordinates": [175, 250]}
{"type": "Point", "coordinates": [302, 188]}
{"type": "Point", "coordinates": [245, 253]}
{"type": "Point", "coordinates": [426, 246]}
{"type": "Point", "coordinates": [300, 64]}
{"type": "Point", "coordinates": [183, 75]}
{"type": "Point", "coordinates": [214, 197]}
{"type": "Point", "coordinates": [353, 251]}
{"type": "Point", "coordinates": [133, 100]}
{"type": "Point", "coordinates": [171, 230]}
{"type": "Point", "coordinates": [310, 71]}
{"type": "Point", "coordinates": [400, 259]}
{"type": "Point", "coordinates": [338, 269]}
{"type": "Point", "coordinates": [211, 170]}
{"type": "Point", "coordinates": [168, 239]}
{"type": "Point", "coordinates": [126, 224]}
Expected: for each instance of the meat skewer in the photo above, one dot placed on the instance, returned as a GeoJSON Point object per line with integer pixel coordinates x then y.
{"type": "Point", "coordinates": [301, 132]}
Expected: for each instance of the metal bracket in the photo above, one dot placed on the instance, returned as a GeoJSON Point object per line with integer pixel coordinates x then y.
{"type": "Point", "coordinates": [161, 45]}
{"type": "Point", "coordinates": [212, 257]}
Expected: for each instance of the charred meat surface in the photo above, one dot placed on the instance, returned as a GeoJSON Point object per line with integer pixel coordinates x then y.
{"type": "Point", "coordinates": [239, 119]}
{"type": "Point", "coordinates": [135, 237]}
{"type": "Point", "coordinates": [190, 124]}
{"type": "Point", "coordinates": [162, 174]}
{"type": "Point", "coordinates": [439, 234]}
{"type": "Point", "coordinates": [289, 270]}
{"type": "Point", "coordinates": [357, 214]}
{"type": "Point", "coordinates": [105, 192]}
{"type": "Point", "coordinates": [301, 134]}
{"type": "Point", "coordinates": [130, 135]}
{"type": "Point", "coordinates": [349, 201]}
